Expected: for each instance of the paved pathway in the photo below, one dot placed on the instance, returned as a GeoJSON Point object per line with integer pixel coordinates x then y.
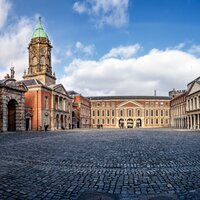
{"type": "Point", "coordinates": [131, 164]}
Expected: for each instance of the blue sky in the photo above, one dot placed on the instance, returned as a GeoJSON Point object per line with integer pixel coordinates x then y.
{"type": "Point", "coordinates": [116, 47]}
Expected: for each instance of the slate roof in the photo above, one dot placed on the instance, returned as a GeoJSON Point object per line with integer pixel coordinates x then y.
{"type": "Point", "coordinates": [130, 97]}
{"type": "Point", "coordinates": [30, 82]}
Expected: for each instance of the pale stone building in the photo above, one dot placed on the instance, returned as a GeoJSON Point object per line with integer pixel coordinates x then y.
{"type": "Point", "coordinates": [178, 115]}
{"type": "Point", "coordinates": [193, 104]}
{"type": "Point", "coordinates": [130, 111]}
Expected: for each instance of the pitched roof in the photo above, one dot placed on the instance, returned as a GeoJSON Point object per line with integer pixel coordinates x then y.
{"type": "Point", "coordinates": [30, 82]}
{"type": "Point", "coordinates": [130, 97]}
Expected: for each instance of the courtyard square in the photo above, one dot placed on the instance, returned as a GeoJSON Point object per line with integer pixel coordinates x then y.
{"type": "Point", "coordinates": [131, 164]}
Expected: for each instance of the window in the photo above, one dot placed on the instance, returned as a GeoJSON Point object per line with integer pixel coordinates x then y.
{"type": "Point", "coordinates": [108, 113]}
{"type": "Point", "coordinates": [138, 113]}
{"type": "Point", "coordinates": [93, 113]}
{"type": "Point", "coordinates": [103, 113]}
{"type": "Point", "coordinates": [152, 104]}
{"type": "Point", "coordinates": [147, 113]}
{"type": "Point", "coordinates": [156, 113]}
{"type": "Point", "coordinates": [156, 104]}
{"type": "Point", "coordinates": [129, 113]}
{"type": "Point", "coordinates": [146, 104]}
{"type": "Point", "coordinates": [156, 121]}
{"type": "Point", "coordinates": [161, 104]}
{"type": "Point", "coordinates": [147, 121]}
{"type": "Point", "coordinates": [108, 121]}
{"type": "Point", "coordinates": [113, 113]}
{"type": "Point", "coordinates": [166, 121]}
{"type": "Point", "coordinates": [42, 60]}
{"type": "Point", "coordinates": [151, 113]}
{"type": "Point", "coordinates": [121, 113]}
{"type": "Point", "coordinates": [98, 113]}
{"type": "Point", "coordinates": [93, 121]}
{"type": "Point", "coordinates": [151, 121]}
{"type": "Point", "coordinates": [34, 60]}
{"type": "Point", "coordinates": [103, 121]}
{"type": "Point", "coordinates": [161, 113]}
{"type": "Point", "coordinates": [166, 113]}
{"type": "Point", "coordinates": [98, 121]}
{"type": "Point", "coordinates": [113, 121]}
{"type": "Point", "coordinates": [46, 102]}
{"type": "Point", "coordinates": [161, 121]}
{"type": "Point", "coordinates": [98, 104]}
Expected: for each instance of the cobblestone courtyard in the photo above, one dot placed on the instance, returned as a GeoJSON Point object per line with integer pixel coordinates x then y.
{"type": "Point", "coordinates": [132, 164]}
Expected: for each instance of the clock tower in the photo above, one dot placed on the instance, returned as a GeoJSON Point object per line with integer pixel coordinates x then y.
{"type": "Point", "coordinates": [40, 57]}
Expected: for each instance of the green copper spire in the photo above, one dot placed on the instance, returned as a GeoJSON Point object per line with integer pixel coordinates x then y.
{"type": "Point", "coordinates": [39, 32]}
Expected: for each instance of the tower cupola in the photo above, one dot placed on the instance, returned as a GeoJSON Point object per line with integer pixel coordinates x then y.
{"type": "Point", "coordinates": [40, 57]}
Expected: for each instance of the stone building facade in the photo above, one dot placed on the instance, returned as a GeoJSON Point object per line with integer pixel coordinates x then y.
{"type": "Point", "coordinates": [48, 103]}
{"type": "Point", "coordinates": [178, 115]}
{"type": "Point", "coordinates": [82, 113]}
{"type": "Point", "coordinates": [130, 111]}
{"type": "Point", "coordinates": [193, 104]}
{"type": "Point", "coordinates": [12, 104]}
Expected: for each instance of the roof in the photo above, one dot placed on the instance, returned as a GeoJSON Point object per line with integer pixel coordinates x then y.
{"type": "Point", "coordinates": [39, 31]}
{"type": "Point", "coordinates": [72, 92]}
{"type": "Point", "coordinates": [30, 82]}
{"type": "Point", "coordinates": [130, 97]}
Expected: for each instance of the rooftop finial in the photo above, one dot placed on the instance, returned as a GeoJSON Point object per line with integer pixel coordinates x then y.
{"type": "Point", "coordinates": [40, 19]}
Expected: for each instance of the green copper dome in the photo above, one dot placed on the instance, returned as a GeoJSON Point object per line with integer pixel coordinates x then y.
{"type": "Point", "coordinates": [39, 32]}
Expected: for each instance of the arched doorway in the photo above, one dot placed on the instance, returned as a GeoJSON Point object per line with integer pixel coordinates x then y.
{"type": "Point", "coordinates": [57, 121]}
{"type": "Point", "coordinates": [130, 123]}
{"type": "Point", "coordinates": [62, 122]}
{"type": "Point", "coordinates": [121, 123]}
{"type": "Point", "coordinates": [138, 123]}
{"type": "Point", "coordinates": [12, 115]}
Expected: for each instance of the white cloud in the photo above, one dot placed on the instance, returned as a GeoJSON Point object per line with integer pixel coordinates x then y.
{"type": "Point", "coordinates": [104, 12]}
{"type": "Point", "coordinates": [123, 51]}
{"type": "Point", "coordinates": [5, 6]}
{"type": "Point", "coordinates": [86, 49]}
{"type": "Point", "coordinates": [13, 49]}
{"type": "Point", "coordinates": [79, 49]}
{"type": "Point", "coordinates": [159, 69]}
{"type": "Point", "coordinates": [79, 7]}
{"type": "Point", "coordinates": [195, 49]}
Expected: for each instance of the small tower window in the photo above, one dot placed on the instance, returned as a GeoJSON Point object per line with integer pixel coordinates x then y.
{"type": "Point", "coordinates": [34, 60]}
{"type": "Point", "coordinates": [42, 60]}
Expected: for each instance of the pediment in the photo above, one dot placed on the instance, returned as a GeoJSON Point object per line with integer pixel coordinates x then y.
{"type": "Point", "coordinates": [129, 104]}
{"type": "Point", "coordinates": [194, 88]}
{"type": "Point", "coordinates": [60, 89]}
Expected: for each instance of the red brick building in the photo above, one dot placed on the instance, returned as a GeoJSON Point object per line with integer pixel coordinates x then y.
{"type": "Point", "coordinates": [47, 103]}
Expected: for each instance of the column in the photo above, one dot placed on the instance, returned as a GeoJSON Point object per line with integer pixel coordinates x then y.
{"type": "Point", "coordinates": [197, 121]}
{"type": "Point", "coordinates": [190, 121]}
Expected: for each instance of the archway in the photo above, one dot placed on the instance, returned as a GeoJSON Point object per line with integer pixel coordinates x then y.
{"type": "Point", "coordinates": [12, 115]}
{"type": "Point", "coordinates": [62, 122]}
{"type": "Point", "coordinates": [121, 123]}
{"type": "Point", "coordinates": [130, 123]}
{"type": "Point", "coordinates": [57, 121]}
{"type": "Point", "coordinates": [138, 123]}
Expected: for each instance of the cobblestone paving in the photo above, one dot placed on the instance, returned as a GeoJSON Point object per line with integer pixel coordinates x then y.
{"type": "Point", "coordinates": [132, 164]}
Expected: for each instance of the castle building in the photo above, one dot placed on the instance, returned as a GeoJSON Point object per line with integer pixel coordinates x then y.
{"type": "Point", "coordinates": [47, 103]}
{"type": "Point", "coordinates": [130, 111]}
